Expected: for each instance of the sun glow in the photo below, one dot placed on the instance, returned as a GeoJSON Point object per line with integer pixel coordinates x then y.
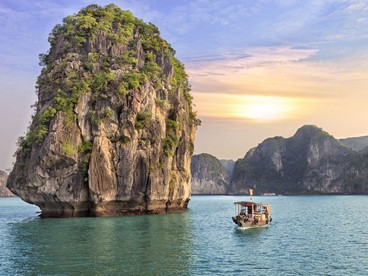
{"type": "Point", "coordinates": [263, 108]}
{"type": "Point", "coordinates": [255, 108]}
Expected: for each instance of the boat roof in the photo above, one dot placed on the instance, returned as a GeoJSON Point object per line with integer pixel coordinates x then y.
{"type": "Point", "coordinates": [249, 203]}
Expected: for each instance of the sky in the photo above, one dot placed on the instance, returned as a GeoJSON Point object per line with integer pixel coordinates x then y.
{"type": "Point", "coordinates": [258, 68]}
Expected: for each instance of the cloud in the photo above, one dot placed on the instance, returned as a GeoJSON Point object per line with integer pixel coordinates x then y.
{"type": "Point", "coordinates": [278, 83]}
{"type": "Point", "coordinates": [357, 6]}
{"type": "Point", "coordinates": [311, 52]}
{"type": "Point", "coordinates": [233, 62]}
{"type": "Point", "coordinates": [250, 108]}
{"type": "Point", "coordinates": [24, 32]}
{"type": "Point", "coordinates": [203, 19]}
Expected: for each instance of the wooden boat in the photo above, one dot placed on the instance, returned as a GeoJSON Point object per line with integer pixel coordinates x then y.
{"type": "Point", "coordinates": [251, 214]}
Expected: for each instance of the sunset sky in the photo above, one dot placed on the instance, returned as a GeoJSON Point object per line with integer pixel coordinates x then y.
{"type": "Point", "coordinates": [258, 68]}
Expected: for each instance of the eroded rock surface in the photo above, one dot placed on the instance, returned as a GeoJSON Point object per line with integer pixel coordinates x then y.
{"type": "Point", "coordinates": [209, 176]}
{"type": "Point", "coordinates": [4, 191]}
{"type": "Point", "coordinates": [311, 161]}
{"type": "Point", "coordinates": [114, 128]}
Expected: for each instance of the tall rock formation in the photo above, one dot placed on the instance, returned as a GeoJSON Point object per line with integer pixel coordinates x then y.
{"type": "Point", "coordinates": [312, 161]}
{"type": "Point", "coordinates": [209, 176]}
{"type": "Point", "coordinates": [4, 191]}
{"type": "Point", "coordinates": [114, 128]}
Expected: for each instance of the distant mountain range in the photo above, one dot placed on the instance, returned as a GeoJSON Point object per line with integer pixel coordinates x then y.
{"type": "Point", "coordinates": [357, 143]}
{"type": "Point", "coordinates": [310, 162]}
{"type": "Point", "coordinates": [4, 191]}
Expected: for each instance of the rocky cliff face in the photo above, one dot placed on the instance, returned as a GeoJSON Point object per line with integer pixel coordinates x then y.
{"type": "Point", "coordinates": [312, 161]}
{"type": "Point", "coordinates": [209, 176]}
{"type": "Point", "coordinates": [357, 143]}
{"type": "Point", "coordinates": [4, 191]}
{"type": "Point", "coordinates": [229, 166]}
{"type": "Point", "coordinates": [114, 129]}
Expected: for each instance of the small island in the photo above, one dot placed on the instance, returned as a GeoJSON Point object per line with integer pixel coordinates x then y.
{"type": "Point", "coordinates": [114, 127]}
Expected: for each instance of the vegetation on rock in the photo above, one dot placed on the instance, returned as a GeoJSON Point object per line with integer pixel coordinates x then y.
{"type": "Point", "coordinates": [112, 90]}
{"type": "Point", "coordinates": [311, 161]}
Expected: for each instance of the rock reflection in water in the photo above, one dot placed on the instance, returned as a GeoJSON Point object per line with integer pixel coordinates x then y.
{"type": "Point", "coordinates": [101, 246]}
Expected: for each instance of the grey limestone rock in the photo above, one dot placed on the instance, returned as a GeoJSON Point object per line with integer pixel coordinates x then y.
{"type": "Point", "coordinates": [114, 129]}
{"type": "Point", "coordinates": [4, 191]}
{"type": "Point", "coordinates": [209, 176]}
{"type": "Point", "coordinates": [311, 161]}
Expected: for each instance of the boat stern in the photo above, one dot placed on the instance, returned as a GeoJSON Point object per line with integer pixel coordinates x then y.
{"type": "Point", "coordinates": [236, 220]}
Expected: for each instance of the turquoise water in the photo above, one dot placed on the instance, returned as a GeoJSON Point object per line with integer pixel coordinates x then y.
{"type": "Point", "coordinates": [309, 235]}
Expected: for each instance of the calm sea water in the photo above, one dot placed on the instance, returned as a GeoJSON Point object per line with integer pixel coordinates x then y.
{"type": "Point", "coordinates": [309, 235]}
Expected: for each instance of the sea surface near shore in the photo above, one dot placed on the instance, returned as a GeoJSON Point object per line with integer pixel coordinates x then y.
{"type": "Point", "coordinates": [309, 235]}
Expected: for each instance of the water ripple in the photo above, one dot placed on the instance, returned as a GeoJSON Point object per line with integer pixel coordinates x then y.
{"type": "Point", "coordinates": [309, 235]}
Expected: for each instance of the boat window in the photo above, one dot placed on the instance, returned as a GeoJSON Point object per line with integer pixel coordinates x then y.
{"type": "Point", "coordinates": [249, 209]}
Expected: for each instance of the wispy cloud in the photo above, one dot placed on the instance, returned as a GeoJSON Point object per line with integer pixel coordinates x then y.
{"type": "Point", "coordinates": [309, 56]}
{"type": "Point", "coordinates": [257, 71]}
{"type": "Point", "coordinates": [222, 87]}
{"type": "Point", "coordinates": [232, 62]}
{"type": "Point", "coordinates": [24, 32]}
{"type": "Point", "coordinates": [357, 6]}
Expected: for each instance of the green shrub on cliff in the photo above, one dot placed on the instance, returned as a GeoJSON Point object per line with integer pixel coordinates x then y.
{"type": "Point", "coordinates": [47, 115]}
{"type": "Point", "coordinates": [101, 81]}
{"type": "Point", "coordinates": [142, 119]}
{"type": "Point", "coordinates": [169, 145]}
{"type": "Point", "coordinates": [113, 105]}
{"type": "Point", "coordinates": [171, 140]}
{"type": "Point", "coordinates": [68, 149]}
{"type": "Point", "coordinates": [73, 71]}
{"type": "Point", "coordinates": [85, 147]}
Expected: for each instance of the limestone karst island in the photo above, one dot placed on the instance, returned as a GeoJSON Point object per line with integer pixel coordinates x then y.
{"type": "Point", "coordinates": [114, 127]}
{"type": "Point", "coordinates": [310, 162]}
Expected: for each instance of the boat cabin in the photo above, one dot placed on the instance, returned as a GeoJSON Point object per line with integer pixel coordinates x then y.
{"type": "Point", "coordinates": [251, 213]}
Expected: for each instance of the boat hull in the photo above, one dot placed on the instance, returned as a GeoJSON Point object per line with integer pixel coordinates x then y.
{"type": "Point", "coordinates": [245, 222]}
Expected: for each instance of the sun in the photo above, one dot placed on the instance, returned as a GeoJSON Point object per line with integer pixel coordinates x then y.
{"type": "Point", "coordinates": [260, 109]}
{"type": "Point", "coordinates": [263, 108]}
